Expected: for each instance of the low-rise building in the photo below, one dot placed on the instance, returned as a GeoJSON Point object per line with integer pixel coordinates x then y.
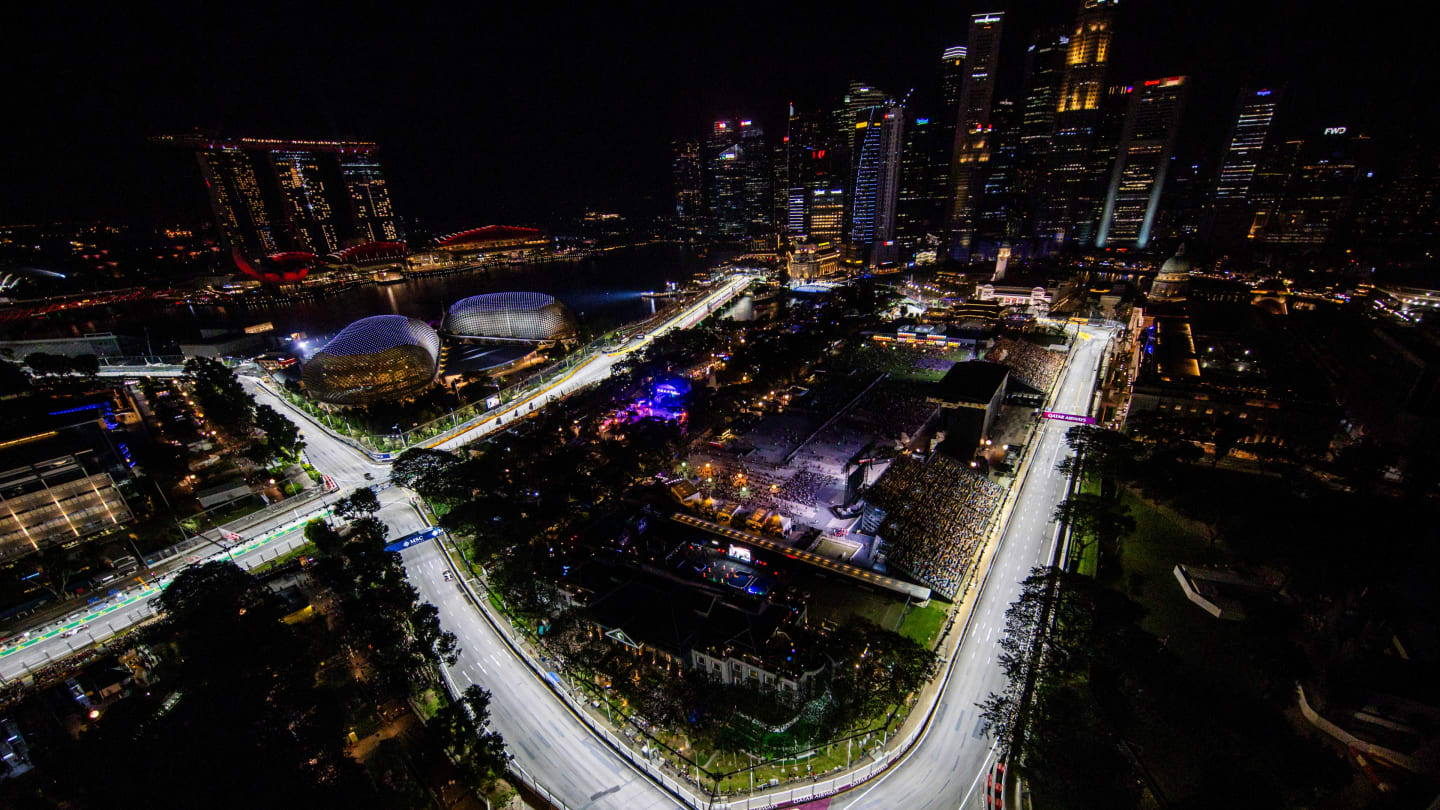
{"type": "Point", "coordinates": [734, 638]}
{"type": "Point", "coordinates": [59, 478]}
{"type": "Point", "coordinates": [810, 261]}
{"type": "Point", "coordinates": [1036, 299]}
{"type": "Point", "coordinates": [56, 500]}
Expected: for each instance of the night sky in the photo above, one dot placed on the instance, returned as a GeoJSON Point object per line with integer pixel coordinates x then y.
{"type": "Point", "coordinates": [522, 114]}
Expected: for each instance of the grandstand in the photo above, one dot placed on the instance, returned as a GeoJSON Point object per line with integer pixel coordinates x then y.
{"type": "Point", "coordinates": [932, 515]}
{"type": "Point", "coordinates": [1036, 367]}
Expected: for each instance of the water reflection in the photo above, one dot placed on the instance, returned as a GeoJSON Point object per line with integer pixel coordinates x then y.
{"type": "Point", "coordinates": [601, 291]}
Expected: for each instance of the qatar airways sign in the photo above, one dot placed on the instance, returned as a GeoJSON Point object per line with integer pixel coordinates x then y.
{"type": "Point", "coordinates": [1068, 417]}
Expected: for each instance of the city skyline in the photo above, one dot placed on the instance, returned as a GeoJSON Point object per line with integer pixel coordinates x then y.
{"type": "Point", "coordinates": [549, 156]}
{"type": "Point", "coordinates": [959, 408]}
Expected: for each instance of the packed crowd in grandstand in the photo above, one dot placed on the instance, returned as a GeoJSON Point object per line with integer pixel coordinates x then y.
{"type": "Point", "coordinates": [1036, 367]}
{"type": "Point", "coordinates": [936, 513]}
{"type": "Point", "coordinates": [894, 409]}
{"type": "Point", "coordinates": [904, 361]}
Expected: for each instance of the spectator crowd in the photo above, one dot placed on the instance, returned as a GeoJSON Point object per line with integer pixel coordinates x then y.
{"type": "Point", "coordinates": [906, 361]}
{"type": "Point", "coordinates": [936, 512]}
{"type": "Point", "coordinates": [1036, 367]}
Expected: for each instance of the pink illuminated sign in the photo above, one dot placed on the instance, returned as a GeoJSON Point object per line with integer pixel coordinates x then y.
{"type": "Point", "coordinates": [1069, 417]}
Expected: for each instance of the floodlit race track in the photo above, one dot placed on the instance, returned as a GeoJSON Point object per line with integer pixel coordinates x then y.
{"type": "Point", "coordinates": [943, 771]}
{"type": "Point", "coordinates": [540, 733]}
{"type": "Point", "coordinates": [103, 619]}
{"type": "Point", "coordinates": [946, 768]}
{"type": "Point", "coordinates": [593, 370]}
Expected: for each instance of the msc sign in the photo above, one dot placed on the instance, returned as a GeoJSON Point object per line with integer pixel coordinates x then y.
{"type": "Point", "coordinates": [413, 539]}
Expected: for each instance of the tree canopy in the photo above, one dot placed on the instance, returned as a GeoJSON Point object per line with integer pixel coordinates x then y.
{"type": "Point", "coordinates": [241, 724]}
{"type": "Point", "coordinates": [221, 396]}
{"type": "Point", "coordinates": [428, 472]}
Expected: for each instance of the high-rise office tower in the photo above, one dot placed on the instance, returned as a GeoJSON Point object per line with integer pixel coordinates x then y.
{"type": "Point", "coordinates": [797, 212]}
{"type": "Point", "coordinates": [826, 215]}
{"type": "Point", "coordinates": [308, 216]}
{"type": "Point", "coordinates": [1183, 203]}
{"type": "Point", "coordinates": [917, 212]}
{"type": "Point", "coordinates": [687, 174]}
{"type": "Point", "coordinates": [815, 173]}
{"type": "Point", "coordinates": [1254, 112]}
{"type": "Point", "coordinates": [725, 185]}
{"type": "Point", "coordinates": [794, 168]}
{"type": "Point", "coordinates": [1322, 188]}
{"type": "Point", "coordinates": [780, 186]}
{"type": "Point", "coordinates": [840, 141]}
{"type": "Point", "coordinates": [878, 138]}
{"type": "Point", "coordinates": [1231, 212]}
{"type": "Point", "coordinates": [370, 206]}
{"type": "Point", "coordinates": [1044, 70]}
{"type": "Point", "coordinates": [739, 180]}
{"type": "Point", "coordinates": [1141, 163]}
{"type": "Point", "coordinates": [972, 124]}
{"type": "Point", "coordinates": [1278, 162]}
{"type": "Point", "coordinates": [272, 194]}
{"type": "Point", "coordinates": [952, 76]}
{"type": "Point", "coordinates": [999, 212]}
{"type": "Point", "coordinates": [759, 181]}
{"type": "Point", "coordinates": [952, 83]}
{"type": "Point", "coordinates": [1075, 168]}
{"type": "Point", "coordinates": [854, 105]}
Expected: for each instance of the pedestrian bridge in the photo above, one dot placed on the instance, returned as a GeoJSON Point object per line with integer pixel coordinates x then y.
{"type": "Point", "coordinates": [152, 370]}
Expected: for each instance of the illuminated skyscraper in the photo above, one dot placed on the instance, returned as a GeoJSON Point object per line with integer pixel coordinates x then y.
{"type": "Point", "coordinates": [853, 106]}
{"type": "Point", "coordinates": [952, 77]}
{"type": "Point", "coordinates": [241, 213]}
{"type": "Point", "coordinates": [1231, 211]}
{"type": "Point", "coordinates": [689, 189]}
{"type": "Point", "coordinates": [308, 216]}
{"type": "Point", "coordinates": [816, 201]}
{"type": "Point", "coordinates": [738, 180]}
{"type": "Point", "coordinates": [942, 137]}
{"type": "Point", "coordinates": [918, 210]}
{"type": "Point", "coordinates": [797, 211]}
{"type": "Point", "coordinates": [372, 214]}
{"type": "Point", "coordinates": [1321, 191]}
{"type": "Point", "coordinates": [271, 194]}
{"type": "Point", "coordinates": [1076, 165]}
{"type": "Point", "coordinates": [827, 214]}
{"type": "Point", "coordinates": [1044, 70]}
{"type": "Point", "coordinates": [1277, 165]}
{"type": "Point", "coordinates": [1254, 112]}
{"type": "Point", "coordinates": [878, 138]}
{"type": "Point", "coordinates": [794, 168]}
{"type": "Point", "coordinates": [1141, 163]}
{"type": "Point", "coordinates": [998, 213]}
{"type": "Point", "coordinates": [972, 124]}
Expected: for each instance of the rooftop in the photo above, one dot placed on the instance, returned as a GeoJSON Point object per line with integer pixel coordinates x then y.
{"type": "Point", "coordinates": [489, 233]}
{"type": "Point", "coordinates": [974, 382]}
